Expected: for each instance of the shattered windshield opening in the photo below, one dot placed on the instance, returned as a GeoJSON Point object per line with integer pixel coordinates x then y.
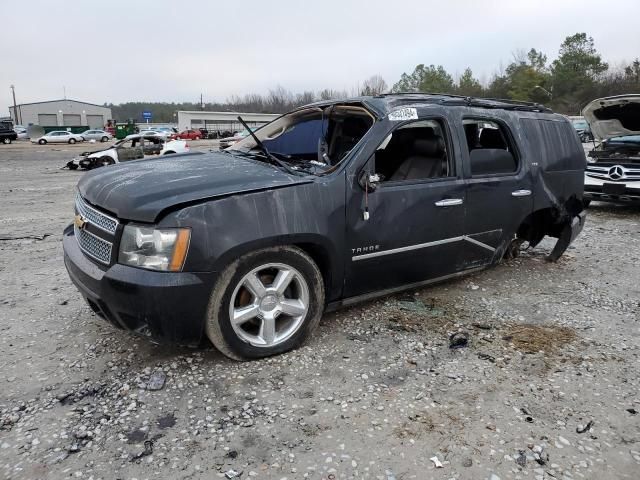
{"type": "Point", "coordinates": [312, 140]}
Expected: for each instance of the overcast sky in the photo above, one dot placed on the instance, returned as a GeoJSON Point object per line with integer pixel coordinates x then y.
{"type": "Point", "coordinates": [118, 51]}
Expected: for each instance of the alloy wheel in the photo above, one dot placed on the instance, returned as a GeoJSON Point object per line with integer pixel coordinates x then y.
{"type": "Point", "coordinates": [269, 305]}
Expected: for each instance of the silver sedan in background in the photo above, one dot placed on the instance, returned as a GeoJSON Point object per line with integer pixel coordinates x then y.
{"type": "Point", "coordinates": [97, 135]}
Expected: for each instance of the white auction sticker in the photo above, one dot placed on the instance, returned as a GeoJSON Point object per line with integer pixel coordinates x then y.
{"type": "Point", "coordinates": [403, 114]}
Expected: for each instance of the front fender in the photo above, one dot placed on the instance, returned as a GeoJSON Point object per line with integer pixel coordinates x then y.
{"type": "Point", "coordinates": [310, 216]}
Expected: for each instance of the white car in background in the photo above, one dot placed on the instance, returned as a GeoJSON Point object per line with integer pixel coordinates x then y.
{"type": "Point", "coordinates": [97, 135]}
{"type": "Point", "coordinates": [58, 136]}
{"type": "Point", "coordinates": [22, 132]}
{"type": "Point", "coordinates": [153, 134]}
{"type": "Point", "coordinates": [133, 147]}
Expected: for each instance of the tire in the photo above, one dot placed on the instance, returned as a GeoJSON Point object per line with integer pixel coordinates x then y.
{"type": "Point", "coordinates": [42, 141]}
{"type": "Point", "coordinates": [586, 202]}
{"type": "Point", "coordinates": [196, 138]}
{"type": "Point", "coordinates": [105, 161]}
{"type": "Point", "coordinates": [6, 141]}
{"type": "Point", "coordinates": [104, 139]}
{"type": "Point", "coordinates": [169, 152]}
{"type": "Point", "coordinates": [72, 141]}
{"type": "Point", "coordinates": [303, 294]}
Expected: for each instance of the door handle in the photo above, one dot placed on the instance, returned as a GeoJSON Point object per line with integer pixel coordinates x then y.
{"type": "Point", "coordinates": [521, 193]}
{"type": "Point", "coordinates": [449, 202]}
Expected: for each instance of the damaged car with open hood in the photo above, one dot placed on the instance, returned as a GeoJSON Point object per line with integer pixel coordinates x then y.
{"type": "Point", "coordinates": [613, 166]}
{"type": "Point", "coordinates": [330, 204]}
{"type": "Point", "coordinates": [132, 147]}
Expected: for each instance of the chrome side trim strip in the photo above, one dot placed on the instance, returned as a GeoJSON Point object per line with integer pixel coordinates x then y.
{"type": "Point", "coordinates": [480, 244]}
{"type": "Point", "coordinates": [419, 246]}
{"type": "Point", "coordinates": [408, 248]}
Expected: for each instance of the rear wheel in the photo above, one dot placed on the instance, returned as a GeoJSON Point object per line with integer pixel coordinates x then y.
{"type": "Point", "coordinates": [104, 139]}
{"type": "Point", "coordinates": [42, 141]}
{"type": "Point", "coordinates": [6, 141]}
{"type": "Point", "coordinates": [72, 141]}
{"type": "Point", "coordinates": [196, 138]}
{"type": "Point", "coordinates": [169, 152]}
{"type": "Point", "coordinates": [266, 302]}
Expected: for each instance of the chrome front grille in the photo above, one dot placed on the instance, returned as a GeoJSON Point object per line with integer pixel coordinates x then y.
{"type": "Point", "coordinates": [97, 218]}
{"type": "Point", "coordinates": [94, 246]}
{"type": "Point", "coordinates": [88, 228]}
{"type": "Point", "coordinates": [616, 173]}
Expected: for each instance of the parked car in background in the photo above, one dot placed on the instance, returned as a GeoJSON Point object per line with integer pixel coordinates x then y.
{"type": "Point", "coordinates": [188, 135]}
{"type": "Point", "coordinates": [7, 133]}
{"type": "Point", "coordinates": [133, 147]}
{"type": "Point", "coordinates": [58, 136]}
{"type": "Point", "coordinates": [582, 129]}
{"type": "Point", "coordinates": [228, 141]}
{"type": "Point", "coordinates": [168, 131]}
{"type": "Point", "coordinates": [22, 133]}
{"type": "Point", "coordinates": [153, 134]}
{"type": "Point", "coordinates": [613, 166]}
{"type": "Point", "coordinates": [98, 135]}
{"type": "Point", "coordinates": [331, 204]}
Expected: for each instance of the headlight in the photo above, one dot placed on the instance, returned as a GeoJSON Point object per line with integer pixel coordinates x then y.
{"type": "Point", "coordinates": [156, 249]}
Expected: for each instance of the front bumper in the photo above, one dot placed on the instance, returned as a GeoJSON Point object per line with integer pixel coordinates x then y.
{"type": "Point", "coordinates": [626, 192]}
{"type": "Point", "coordinates": [169, 307]}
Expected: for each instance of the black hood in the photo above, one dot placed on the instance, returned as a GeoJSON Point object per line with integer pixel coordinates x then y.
{"type": "Point", "coordinates": [141, 190]}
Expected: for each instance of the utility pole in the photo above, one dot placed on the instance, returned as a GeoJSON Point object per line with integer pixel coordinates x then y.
{"type": "Point", "coordinates": [15, 107]}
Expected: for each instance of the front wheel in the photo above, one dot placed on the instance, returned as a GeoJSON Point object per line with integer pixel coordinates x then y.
{"type": "Point", "coordinates": [42, 141]}
{"type": "Point", "coordinates": [104, 139]}
{"type": "Point", "coordinates": [6, 141]}
{"type": "Point", "coordinates": [105, 161]}
{"type": "Point", "coordinates": [266, 302]}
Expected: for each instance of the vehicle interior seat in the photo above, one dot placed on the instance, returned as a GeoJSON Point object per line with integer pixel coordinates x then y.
{"type": "Point", "coordinates": [492, 138]}
{"type": "Point", "coordinates": [427, 160]}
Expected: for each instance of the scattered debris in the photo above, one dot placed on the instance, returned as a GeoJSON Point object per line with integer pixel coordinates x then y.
{"type": "Point", "coordinates": [521, 459]}
{"type": "Point", "coordinates": [632, 411]}
{"type": "Point", "coordinates": [232, 473]}
{"type": "Point", "coordinates": [486, 356]}
{"type": "Point", "coordinates": [156, 380]}
{"type": "Point", "coordinates": [436, 462]}
{"type": "Point", "coordinates": [584, 428]}
{"type": "Point", "coordinates": [148, 450]}
{"type": "Point", "coordinates": [458, 340]}
{"type": "Point", "coordinates": [4, 237]}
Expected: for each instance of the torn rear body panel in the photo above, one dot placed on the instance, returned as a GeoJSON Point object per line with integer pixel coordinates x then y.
{"type": "Point", "coordinates": [327, 205]}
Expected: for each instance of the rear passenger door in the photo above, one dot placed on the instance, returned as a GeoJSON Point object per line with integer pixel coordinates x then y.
{"type": "Point", "coordinates": [498, 188]}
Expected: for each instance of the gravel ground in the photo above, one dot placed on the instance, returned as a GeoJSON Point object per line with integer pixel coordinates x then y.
{"type": "Point", "coordinates": [544, 384]}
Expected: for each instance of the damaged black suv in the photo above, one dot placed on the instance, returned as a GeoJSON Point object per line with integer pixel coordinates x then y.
{"type": "Point", "coordinates": [330, 204]}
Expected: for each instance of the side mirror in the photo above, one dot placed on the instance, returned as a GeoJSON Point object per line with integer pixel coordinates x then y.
{"type": "Point", "coordinates": [369, 181]}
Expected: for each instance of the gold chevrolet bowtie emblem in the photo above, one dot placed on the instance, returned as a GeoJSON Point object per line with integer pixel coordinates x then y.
{"type": "Point", "coordinates": [79, 221]}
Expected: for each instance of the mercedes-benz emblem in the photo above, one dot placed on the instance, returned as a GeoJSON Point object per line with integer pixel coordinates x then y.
{"type": "Point", "coordinates": [616, 172]}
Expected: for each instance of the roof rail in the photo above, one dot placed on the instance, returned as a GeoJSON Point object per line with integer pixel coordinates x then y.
{"type": "Point", "coordinates": [481, 102]}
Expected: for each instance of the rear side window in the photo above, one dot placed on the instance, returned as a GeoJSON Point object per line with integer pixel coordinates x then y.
{"type": "Point", "coordinates": [491, 150]}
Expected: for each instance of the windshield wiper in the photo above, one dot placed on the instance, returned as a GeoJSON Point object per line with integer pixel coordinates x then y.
{"type": "Point", "coordinates": [264, 149]}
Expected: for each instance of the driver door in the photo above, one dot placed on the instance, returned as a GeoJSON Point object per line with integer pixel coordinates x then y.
{"type": "Point", "coordinates": [415, 226]}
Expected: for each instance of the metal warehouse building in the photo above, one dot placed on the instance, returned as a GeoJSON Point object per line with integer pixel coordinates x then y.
{"type": "Point", "coordinates": [61, 113]}
{"type": "Point", "coordinates": [218, 121]}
